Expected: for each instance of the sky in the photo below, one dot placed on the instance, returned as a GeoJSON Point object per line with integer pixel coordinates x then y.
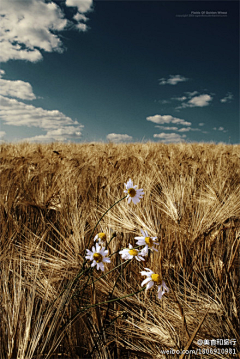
{"type": "Point", "coordinates": [121, 71]}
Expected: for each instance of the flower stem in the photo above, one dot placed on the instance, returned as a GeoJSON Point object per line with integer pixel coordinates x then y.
{"type": "Point", "coordinates": [106, 302]}
{"type": "Point", "coordinates": [102, 218]}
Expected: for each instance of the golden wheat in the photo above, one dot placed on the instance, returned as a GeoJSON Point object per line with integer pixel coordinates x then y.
{"type": "Point", "coordinates": [51, 198]}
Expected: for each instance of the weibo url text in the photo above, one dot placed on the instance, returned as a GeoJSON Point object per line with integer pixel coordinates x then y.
{"type": "Point", "coordinates": [201, 351]}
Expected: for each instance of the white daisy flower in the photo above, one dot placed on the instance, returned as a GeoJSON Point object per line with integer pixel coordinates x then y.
{"type": "Point", "coordinates": [130, 253]}
{"type": "Point", "coordinates": [134, 194]}
{"type": "Point", "coordinates": [98, 256]}
{"type": "Point", "coordinates": [101, 238]}
{"type": "Point", "coordinates": [152, 279]}
{"type": "Point", "coordinates": [149, 242]}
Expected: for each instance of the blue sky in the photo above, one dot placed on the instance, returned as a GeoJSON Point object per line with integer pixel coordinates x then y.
{"type": "Point", "coordinates": [121, 71]}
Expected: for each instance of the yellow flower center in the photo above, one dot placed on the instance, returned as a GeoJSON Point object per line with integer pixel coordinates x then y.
{"type": "Point", "coordinates": [156, 278]}
{"type": "Point", "coordinates": [98, 257]}
{"type": "Point", "coordinates": [132, 192]}
{"type": "Point", "coordinates": [133, 252]}
{"type": "Point", "coordinates": [149, 241]}
{"type": "Point", "coordinates": [102, 236]}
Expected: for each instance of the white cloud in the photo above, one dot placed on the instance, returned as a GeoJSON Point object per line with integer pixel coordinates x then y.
{"type": "Point", "coordinates": [188, 96]}
{"type": "Point", "coordinates": [191, 94]}
{"type": "Point", "coordinates": [80, 17]}
{"type": "Point", "coordinates": [40, 138]}
{"type": "Point", "coordinates": [197, 101]}
{"type": "Point", "coordinates": [167, 119]}
{"type": "Point", "coordinates": [227, 98]}
{"type": "Point", "coordinates": [170, 137]}
{"type": "Point", "coordinates": [61, 134]}
{"type": "Point", "coordinates": [173, 80]}
{"type": "Point", "coordinates": [19, 89]}
{"type": "Point", "coordinates": [183, 129]}
{"type": "Point", "coordinates": [82, 5]}
{"type": "Point", "coordinates": [179, 98]}
{"type": "Point", "coordinates": [201, 124]}
{"type": "Point", "coordinates": [200, 101]}
{"type": "Point", "coordinates": [165, 128]}
{"type": "Point", "coordinates": [69, 131]}
{"type": "Point", "coordinates": [220, 129]}
{"type": "Point", "coordinates": [186, 129]}
{"type": "Point", "coordinates": [17, 113]}
{"type": "Point", "coordinates": [30, 26]}
{"type": "Point", "coordinates": [58, 126]}
{"type": "Point", "coordinates": [114, 137]}
{"type": "Point", "coordinates": [81, 27]}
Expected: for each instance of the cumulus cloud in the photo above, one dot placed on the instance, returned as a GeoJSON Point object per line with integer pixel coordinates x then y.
{"type": "Point", "coordinates": [227, 98]}
{"type": "Point", "coordinates": [18, 89]}
{"type": "Point", "coordinates": [58, 126]}
{"type": "Point", "coordinates": [201, 124]}
{"type": "Point", "coordinates": [169, 137]}
{"type": "Point", "coordinates": [82, 5]}
{"type": "Point", "coordinates": [191, 100]}
{"type": "Point", "coordinates": [61, 134]}
{"type": "Point", "coordinates": [168, 119]}
{"type": "Point", "coordinates": [115, 137]}
{"type": "Point", "coordinates": [159, 119]}
{"type": "Point", "coordinates": [27, 27]}
{"type": "Point", "coordinates": [200, 101]}
{"type": "Point", "coordinates": [17, 113]}
{"type": "Point", "coordinates": [197, 101]}
{"type": "Point", "coordinates": [173, 80]}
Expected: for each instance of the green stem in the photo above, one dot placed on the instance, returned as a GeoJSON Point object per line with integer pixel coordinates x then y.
{"type": "Point", "coordinates": [104, 275]}
{"type": "Point", "coordinates": [106, 302]}
{"type": "Point", "coordinates": [103, 216]}
{"type": "Point", "coordinates": [83, 270]}
{"type": "Point", "coordinates": [111, 294]}
{"type": "Point", "coordinates": [91, 306]}
{"type": "Point", "coordinates": [113, 236]}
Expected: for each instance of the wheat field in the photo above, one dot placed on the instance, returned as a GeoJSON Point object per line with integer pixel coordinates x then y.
{"type": "Point", "coordinates": [51, 199]}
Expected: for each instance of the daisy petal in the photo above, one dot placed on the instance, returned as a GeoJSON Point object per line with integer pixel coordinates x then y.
{"type": "Point", "coordinates": [160, 294]}
{"type": "Point", "coordinates": [149, 285]}
{"type": "Point", "coordinates": [165, 287]}
{"type": "Point", "coordinates": [101, 266]}
{"type": "Point", "coordinates": [146, 281]}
